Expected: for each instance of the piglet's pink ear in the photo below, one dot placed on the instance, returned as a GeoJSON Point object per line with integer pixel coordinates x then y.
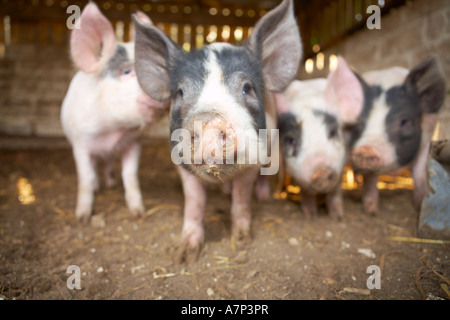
{"type": "Point", "coordinates": [281, 103]}
{"type": "Point", "coordinates": [94, 43]}
{"type": "Point", "coordinates": [345, 92]}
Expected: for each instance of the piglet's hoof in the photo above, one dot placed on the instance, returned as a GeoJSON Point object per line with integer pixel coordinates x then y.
{"type": "Point", "coordinates": [337, 214]}
{"type": "Point", "coordinates": [137, 212]}
{"type": "Point", "coordinates": [83, 217]}
{"type": "Point", "coordinates": [370, 207]}
{"type": "Point", "coordinates": [186, 253]}
{"type": "Point", "coordinates": [241, 237]}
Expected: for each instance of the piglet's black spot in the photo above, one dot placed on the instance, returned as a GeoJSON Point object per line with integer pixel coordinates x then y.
{"type": "Point", "coordinates": [290, 134]}
{"type": "Point", "coordinates": [118, 64]}
{"type": "Point", "coordinates": [403, 123]}
{"type": "Point", "coordinates": [330, 122]}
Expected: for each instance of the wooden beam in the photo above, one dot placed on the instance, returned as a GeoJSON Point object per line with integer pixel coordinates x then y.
{"type": "Point", "coordinates": [21, 11]}
{"type": "Point", "coordinates": [337, 38]}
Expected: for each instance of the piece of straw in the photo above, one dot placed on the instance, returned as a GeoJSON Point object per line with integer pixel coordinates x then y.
{"type": "Point", "coordinates": [419, 240]}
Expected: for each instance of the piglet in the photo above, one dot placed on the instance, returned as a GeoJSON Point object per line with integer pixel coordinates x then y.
{"type": "Point", "coordinates": [218, 106]}
{"type": "Point", "coordinates": [314, 117]}
{"type": "Point", "coordinates": [105, 109]}
{"type": "Point", "coordinates": [398, 119]}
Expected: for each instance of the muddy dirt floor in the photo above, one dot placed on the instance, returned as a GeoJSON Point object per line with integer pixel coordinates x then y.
{"type": "Point", "coordinates": [125, 258]}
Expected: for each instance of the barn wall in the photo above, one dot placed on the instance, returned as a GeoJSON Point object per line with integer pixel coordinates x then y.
{"type": "Point", "coordinates": [33, 81]}
{"type": "Point", "coordinates": [35, 70]}
{"type": "Point", "coordinates": [408, 35]}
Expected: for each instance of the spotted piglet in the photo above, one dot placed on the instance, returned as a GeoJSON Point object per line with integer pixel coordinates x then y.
{"type": "Point", "coordinates": [396, 125]}
{"type": "Point", "coordinates": [314, 117]}
{"type": "Point", "coordinates": [218, 106]}
{"type": "Point", "coordinates": [105, 109]}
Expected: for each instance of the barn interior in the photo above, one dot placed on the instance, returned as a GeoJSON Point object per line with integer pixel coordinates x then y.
{"type": "Point", "coordinates": [38, 181]}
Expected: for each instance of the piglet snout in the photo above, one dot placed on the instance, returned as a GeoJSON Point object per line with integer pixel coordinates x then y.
{"type": "Point", "coordinates": [366, 158]}
{"type": "Point", "coordinates": [324, 179]}
{"type": "Point", "coordinates": [213, 136]}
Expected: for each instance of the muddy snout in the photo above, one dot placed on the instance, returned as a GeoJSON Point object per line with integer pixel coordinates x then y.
{"type": "Point", "coordinates": [213, 139]}
{"type": "Point", "coordinates": [324, 179]}
{"type": "Point", "coordinates": [366, 158]}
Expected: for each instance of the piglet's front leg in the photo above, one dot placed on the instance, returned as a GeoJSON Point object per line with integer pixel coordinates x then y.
{"type": "Point", "coordinates": [370, 194]}
{"type": "Point", "coordinates": [241, 206]}
{"type": "Point", "coordinates": [130, 167]}
{"type": "Point", "coordinates": [335, 203]}
{"type": "Point", "coordinates": [193, 234]}
{"type": "Point", "coordinates": [262, 188]}
{"type": "Point", "coordinates": [87, 182]}
{"type": "Point", "coordinates": [309, 205]}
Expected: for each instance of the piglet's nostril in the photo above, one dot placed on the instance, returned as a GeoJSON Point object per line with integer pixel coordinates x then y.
{"type": "Point", "coordinates": [366, 157]}
{"type": "Point", "coordinates": [213, 136]}
{"type": "Point", "coordinates": [330, 176]}
{"type": "Point", "coordinates": [324, 179]}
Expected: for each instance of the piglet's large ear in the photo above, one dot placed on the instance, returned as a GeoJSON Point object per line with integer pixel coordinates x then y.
{"type": "Point", "coordinates": [155, 53]}
{"type": "Point", "coordinates": [143, 18]}
{"type": "Point", "coordinates": [276, 39]}
{"type": "Point", "coordinates": [345, 91]}
{"type": "Point", "coordinates": [94, 43]}
{"type": "Point", "coordinates": [428, 83]}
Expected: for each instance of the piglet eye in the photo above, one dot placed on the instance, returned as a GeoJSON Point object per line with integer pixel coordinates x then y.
{"type": "Point", "coordinates": [403, 122]}
{"type": "Point", "coordinates": [126, 71]}
{"type": "Point", "coordinates": [290, 140]}
{"type": "Point", "coordinates": [246, 89]}
{"type": "Point", "coordinates": [180, 93]}
{"type": "Point", "coordinates": [332, 133]}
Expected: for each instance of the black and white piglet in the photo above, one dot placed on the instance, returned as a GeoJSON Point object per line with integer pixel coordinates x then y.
{"type": "Point", "coordinates": [313, 119]}
{"type": "Point", "coordinates": [396, 124]}
{"type": "Point", "coordinates": [217, 96]}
